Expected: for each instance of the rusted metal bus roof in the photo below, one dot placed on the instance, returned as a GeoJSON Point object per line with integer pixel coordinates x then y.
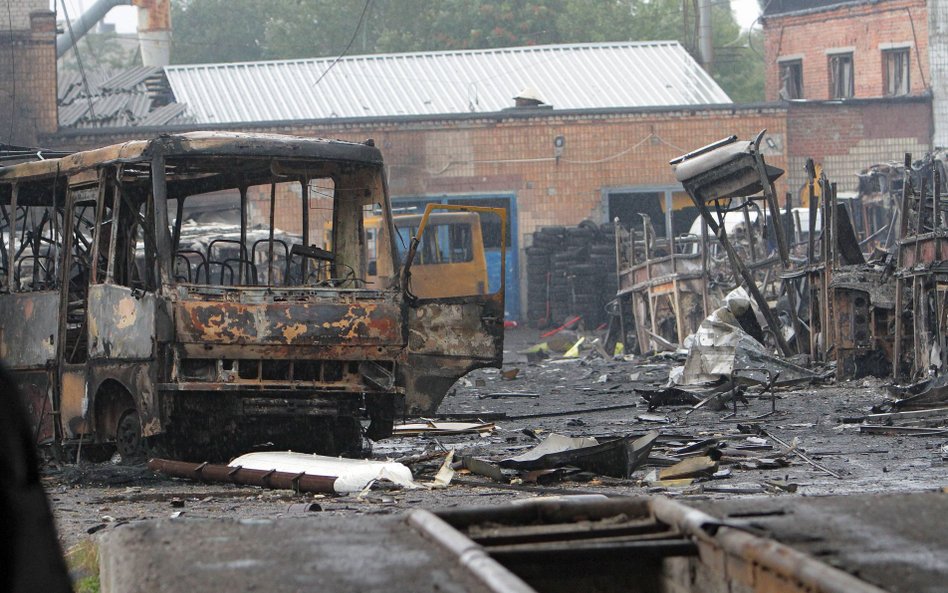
{"type": "Point", "coordinates": [199, 144]}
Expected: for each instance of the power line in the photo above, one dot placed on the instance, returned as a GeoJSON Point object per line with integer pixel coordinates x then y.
{"type": "Point", "coordinates": [75, 48]}
{"type": "Point", "coordinates": [365, 9]}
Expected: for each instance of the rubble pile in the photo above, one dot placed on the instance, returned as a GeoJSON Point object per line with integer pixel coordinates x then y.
{"type": "Point", "coordinates": [571, 271]}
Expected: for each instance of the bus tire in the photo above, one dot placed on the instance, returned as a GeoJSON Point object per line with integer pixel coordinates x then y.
{"type": "Point", "coordinates": [128, 436]}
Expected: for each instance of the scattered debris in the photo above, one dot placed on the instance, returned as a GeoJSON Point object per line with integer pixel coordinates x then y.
{"type": "Point", "coordinates": [445, 473]}
{"type": "Point", "coordinates": [510, 374]}
{"type": "Point", "coordinates": [431, 427]}
{"type": "Point", "coordinates": [292, 471]}
{"type": "Point", "coordinates": [482, 467]}
{"type": "Point", "coordinates": [617, 458]}
{"type": "Point", "coordinates": [793, 449]}
{"type": "Point", "coordinates": [505, 394]}
{"type": "Point", "coordinates": [691, 467]}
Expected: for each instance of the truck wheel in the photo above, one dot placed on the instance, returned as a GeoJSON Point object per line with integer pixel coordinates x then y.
{"type": "Point", "coordinates": [128, 436]}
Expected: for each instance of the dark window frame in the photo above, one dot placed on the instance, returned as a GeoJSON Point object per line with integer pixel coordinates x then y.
{"type": "Point", "coordinates": [898, 82]}
{"type": "Point", "coordinates": [842, 80]}
{"type": "Point", "coordinates": [791, 79]}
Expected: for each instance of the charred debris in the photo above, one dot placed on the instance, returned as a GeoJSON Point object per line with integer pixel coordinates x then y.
{"type": "Point", "coordinates": [757, 296]}
{"type": "Point", "coordinates": [851, 280]}
{"type": "Point", "coordinates": [757, 299]}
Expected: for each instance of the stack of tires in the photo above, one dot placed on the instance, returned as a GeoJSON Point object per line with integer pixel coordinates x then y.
{"type": "Point", "coordinates": [546, 242]}
{"type": "Point", "coordinates": [570, 272]}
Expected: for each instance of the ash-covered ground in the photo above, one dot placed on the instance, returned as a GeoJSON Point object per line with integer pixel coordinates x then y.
{"type": "Point", "coordinates": [589, 396]}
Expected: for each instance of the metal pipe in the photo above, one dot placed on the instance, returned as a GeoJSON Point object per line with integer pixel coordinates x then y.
{"type": "Point", "coordinates": [903, 223]}
{"type": "Point", "coordinates": [154, 31]}
{"type": "Point", "coordinates": [617, 228]}
{"type": "Point", "coordinates": [471, 556]}
{"type": "Point", "coordinates": [85, 22]}
{"type": "Point", "coordinates": [811, 205]}
{"type": "Point", "coordinates": [206, 472]}
{"type": "Point", "coordinates": [11, 255]}
{"type": "Point", "coordinates": [705, 45]}
{"type": "Point", "coordinates": [273, 190]}
{"type": "Point", "coordinates": [784, 562]}
{"type": "Point", "coordinates": [243, 253]}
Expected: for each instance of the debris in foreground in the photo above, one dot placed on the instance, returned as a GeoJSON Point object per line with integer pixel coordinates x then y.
{"type": "Point", "coordinates": [691, 467]}
{"type": "Point", "coordinates": [618, 458]}
{"type": "Point", "coordinates": [443, 428]}
{"type": "Point", "coordinates": [292, 471]}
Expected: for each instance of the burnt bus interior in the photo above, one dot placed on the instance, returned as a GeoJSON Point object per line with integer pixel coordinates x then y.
{"type": "Point", "coordinates": [208, 292]}
{"type": "Point", "coordinates": [222, 230]}
{"type": "Point", "coordinates": [262, 227]}
{"type": "Point", "coordinates": [238, 246]}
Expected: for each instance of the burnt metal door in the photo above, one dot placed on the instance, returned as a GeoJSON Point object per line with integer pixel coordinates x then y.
{"type": "Point", "coordinates": [449, 337]}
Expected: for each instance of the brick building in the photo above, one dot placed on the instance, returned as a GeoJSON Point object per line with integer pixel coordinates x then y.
{"type": "Point", "coordinates": [851, 83]}
{"type": "Point", "coordinates": [857, 77]}
{"type": "Point", "coordinates": [598, 148]}
{"type": "Point", "coordinates": [27, 72]}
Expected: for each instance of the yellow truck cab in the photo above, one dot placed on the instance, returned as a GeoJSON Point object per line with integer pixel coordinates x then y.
{"type": "Point", "coordinates": [450, 261]}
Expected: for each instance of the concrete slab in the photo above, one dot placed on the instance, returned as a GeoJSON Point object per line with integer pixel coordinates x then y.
{"type": "Point", "coordinates": [897, 542]}
{"type": "Point", "coordinates": [339, 554]}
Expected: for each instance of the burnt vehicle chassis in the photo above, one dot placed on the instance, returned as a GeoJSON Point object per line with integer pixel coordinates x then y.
{"type": "Point", "coordinates": [112, 342]}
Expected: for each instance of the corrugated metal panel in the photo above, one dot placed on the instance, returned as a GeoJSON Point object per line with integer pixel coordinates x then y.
{"type": "Point", "coordinates": [125, 80]}
{"type": "Point", "coordinates": [163, 115]}
{"type": "Point", "coordinates": [70, 114]}
{"type": "Point", "coordinates": [120, 98]}
{"type": "Point", "coordinates": [579, 76]}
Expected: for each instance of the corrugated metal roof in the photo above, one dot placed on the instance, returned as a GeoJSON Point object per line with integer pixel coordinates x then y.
{"type": "Point", "coordinates": [119, 98]}
{"type": "Point", "coordinates": [578, 76]}
{"type": "Point", "coordinates": [123, 80]}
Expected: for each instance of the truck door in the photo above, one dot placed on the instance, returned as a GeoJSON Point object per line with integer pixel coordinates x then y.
{"type": "Point", "coordinates": [448, 336]}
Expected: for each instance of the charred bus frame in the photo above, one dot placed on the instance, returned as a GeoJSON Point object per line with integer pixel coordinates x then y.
{"type": "Point", "coordinates": [113, 339]}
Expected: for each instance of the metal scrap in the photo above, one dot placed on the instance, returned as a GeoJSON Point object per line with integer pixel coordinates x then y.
{"type": "Point", "coordinates": [617, 458]}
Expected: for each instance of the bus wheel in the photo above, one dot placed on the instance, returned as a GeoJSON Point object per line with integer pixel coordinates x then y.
{"type": "Point", "coordinates": [128, 436]}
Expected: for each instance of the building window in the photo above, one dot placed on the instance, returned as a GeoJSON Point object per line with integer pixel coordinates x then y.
{"type": "Point", "coordinates": [791, 80]}
{"type": "Point", "coordinates": [841, 76]}
{"type": "Point", "coordinates": [895, 72]}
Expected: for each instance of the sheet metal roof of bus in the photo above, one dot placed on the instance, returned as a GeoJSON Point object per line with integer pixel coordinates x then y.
{"type": "Point", "coordinates": [577, 76]}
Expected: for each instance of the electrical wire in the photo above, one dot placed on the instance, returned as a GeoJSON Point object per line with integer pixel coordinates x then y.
{"type": "Point", "coordinates": [365, 9]}
{"type": "Point", "coordinates": [606, 159]}
{"type": "Point", "coordinates": [82, 71]}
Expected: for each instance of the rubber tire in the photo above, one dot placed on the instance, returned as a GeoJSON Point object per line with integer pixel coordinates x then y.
{"type": "Point", "coordinates": [128, 436]}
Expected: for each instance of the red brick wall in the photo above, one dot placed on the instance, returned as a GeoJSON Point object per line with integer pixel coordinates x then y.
{"type": "Point", "coordinates": [846, 138]}
{"type": "Point", "coordinates": [509, 154]}
{"type": "Point", "coordinates": [862, 27]}
{"type": "Point", "coordinates": [28, 77]}
{"type": "Point", "coordinates": [514, 155]}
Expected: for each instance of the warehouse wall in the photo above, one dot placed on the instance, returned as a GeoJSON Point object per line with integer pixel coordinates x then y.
{"type": "Point", "coordinates": [512, 153]}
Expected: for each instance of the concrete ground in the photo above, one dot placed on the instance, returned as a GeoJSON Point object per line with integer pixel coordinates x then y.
{"type": "Point", "coordinates": [586, 397]}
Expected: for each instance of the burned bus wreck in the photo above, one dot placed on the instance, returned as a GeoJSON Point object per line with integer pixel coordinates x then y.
{"type": "Point", "coordinates": [119, 331]}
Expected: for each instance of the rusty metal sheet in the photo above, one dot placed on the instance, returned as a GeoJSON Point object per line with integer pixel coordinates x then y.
{"type": "Point", "coordinates": [454, 330]}
{"type": "Point", "coordinates": [28, 328]}
{"type": "Point", "coordinates": [447, 339]}
{"type": "Point", "coordinates": [74, 402]}
{"type": "Point", "coordinates": [924, 249]}
{"type": "Point", "coordinates": [358, 323]}
{"type": "Point", "coordinates": [121, 323]}
{"type": "Point", "coordinates": [198, 144]}
{"type": "Point", "coordinates": [34, 390]}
